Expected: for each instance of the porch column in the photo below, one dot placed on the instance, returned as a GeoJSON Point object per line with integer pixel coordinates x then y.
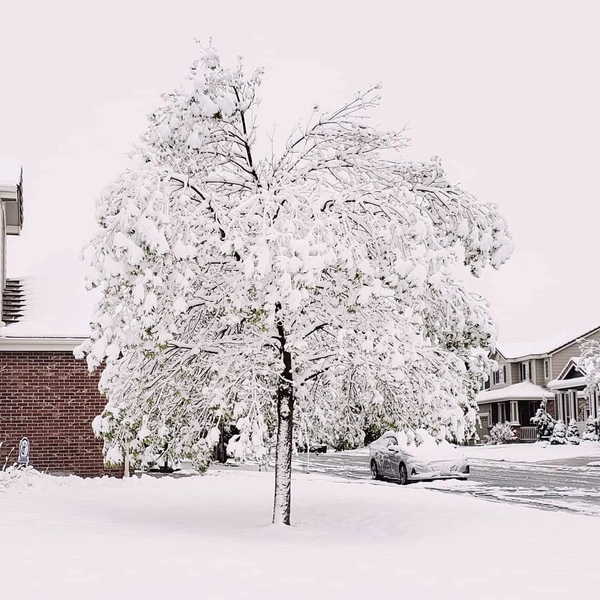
{"type": "Point", "coordinates": [514, 411]}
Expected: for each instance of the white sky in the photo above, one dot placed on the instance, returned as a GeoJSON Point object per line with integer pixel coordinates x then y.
{"type": "Point", "coordinates": [506, 93]}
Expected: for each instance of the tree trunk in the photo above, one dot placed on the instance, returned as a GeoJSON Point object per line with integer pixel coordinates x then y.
{"type": "Point", "coordinates": [221, 449]}
{"type": "Point", "coordinates": [283, 450]}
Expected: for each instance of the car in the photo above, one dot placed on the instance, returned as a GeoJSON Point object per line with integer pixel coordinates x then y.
{"type": "Point", "coordinates": [314, 448]}
{"type": "Point", "coordinates": [416, 456]}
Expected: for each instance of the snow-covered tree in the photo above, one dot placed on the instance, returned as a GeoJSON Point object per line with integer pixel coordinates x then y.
{"type": "Point", "coordinates": [559, 433]}
{"type": "Point", "coordinates": [590, 364]}
{"type": "Point", "coordinates": [268, 292]}
{"type": "Point", "coordinates": [573, 433]}
{"type": "Point", "coordinates": [590, 433]}
{"type": "Point", "coordinates": [501, 433]}
{"type": "Point", "coordinates": [543, 421]}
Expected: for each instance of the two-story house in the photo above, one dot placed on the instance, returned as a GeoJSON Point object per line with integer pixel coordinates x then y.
{"type": "Point", "coordinates": [530, 373]}
{"type": "Point", "coordinates": [46, 395]}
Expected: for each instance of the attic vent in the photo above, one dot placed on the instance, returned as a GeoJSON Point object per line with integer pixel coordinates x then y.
{"type": "Point", "coordinates": [13, 301]}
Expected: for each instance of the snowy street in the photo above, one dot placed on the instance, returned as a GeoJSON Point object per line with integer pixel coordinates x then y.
{"type": "Point", "coordinates": [541, 485]}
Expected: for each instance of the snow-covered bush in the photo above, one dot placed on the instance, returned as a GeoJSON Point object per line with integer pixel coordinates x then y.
{"type": "Point", "coordinates": [573, 436]}
{"type": "Point", "coordinates": [16, 477]}
{"type": "Point", "coordinates": [543, 421]}
{"type": "Point", "coordinates": [591, 430]}
{"type": "Point", "coordinates": [501, 433]}
{"type": "Point", "coordinates": [559, 434]}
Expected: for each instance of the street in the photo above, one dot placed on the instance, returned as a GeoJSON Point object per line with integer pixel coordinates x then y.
{"type": "Point", "coordinates": [540, 485]}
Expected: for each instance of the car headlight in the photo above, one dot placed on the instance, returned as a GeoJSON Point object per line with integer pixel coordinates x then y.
{"type": "Point", "coordinates": [421, 467]}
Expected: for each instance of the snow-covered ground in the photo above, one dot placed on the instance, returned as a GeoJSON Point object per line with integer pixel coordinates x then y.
{"type": "Point", "coordinates": [209, 537]}
{"type": "Point", "coordinates": [537, 452]}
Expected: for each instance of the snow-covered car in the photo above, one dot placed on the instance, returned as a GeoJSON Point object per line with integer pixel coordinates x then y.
{"type": "Point", "coordinates": [408, 456]}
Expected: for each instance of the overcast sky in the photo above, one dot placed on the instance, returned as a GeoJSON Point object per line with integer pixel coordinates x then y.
{"type": "Point", "coordinates": [506, 93]}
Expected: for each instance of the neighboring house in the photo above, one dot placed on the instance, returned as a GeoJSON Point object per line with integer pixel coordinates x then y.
{"type": "Point", "coordinates": [45, 394]}
{"type": "Point", "coordinates": [527, 374]}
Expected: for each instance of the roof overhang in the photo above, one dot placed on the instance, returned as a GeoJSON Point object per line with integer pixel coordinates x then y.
{"type": "Point", "coordinates": [11, 196]}
{"type": "Point", "coordinates": [485, 401]}
{"type": "Point", "coordinates": [42, 344]}
{"type": "Point", "coordinates": [564, 384]}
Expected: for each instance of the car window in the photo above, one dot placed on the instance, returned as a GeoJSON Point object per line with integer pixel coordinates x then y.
{"type": "Point", "coordinates": [390, 441]}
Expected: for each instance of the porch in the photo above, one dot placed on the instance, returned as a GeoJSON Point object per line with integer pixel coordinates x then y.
{"type": "Point", "coordinates": [514, 404]}
{"type": "Point", "coordinates": [517, 413]}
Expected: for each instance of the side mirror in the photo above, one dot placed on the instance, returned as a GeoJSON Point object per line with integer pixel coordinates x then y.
{"type": "Point", "coordinates": [394, 448]}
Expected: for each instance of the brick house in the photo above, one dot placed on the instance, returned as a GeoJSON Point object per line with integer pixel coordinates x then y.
{"type": "Point", "coordinates": [45, 394]}
{"type": "Point", "coordinates": [532, 372]}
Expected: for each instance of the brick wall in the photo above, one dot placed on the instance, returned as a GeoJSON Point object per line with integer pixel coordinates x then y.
{"type": "Point", "coordinates": [50, 398]}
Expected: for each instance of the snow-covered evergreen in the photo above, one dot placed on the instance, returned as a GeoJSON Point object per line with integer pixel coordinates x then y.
{"type": "Point", "coordinates": [543, 421]}
{"type": "Point", "coordinates": [590, 433]}
{"type": "Point", "coordinates": [312, 287]}
{"type": "Point", "coordinates": [573, 436]}
{"type": "Point", "coordinates": [559, 433]}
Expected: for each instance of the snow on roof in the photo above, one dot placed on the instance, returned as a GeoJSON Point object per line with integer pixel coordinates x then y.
{"type": "Point", "coordinates": [10, 172]}
{"type": "Point", "coordinates": [57, 305]}
{"type": "Point", "coordinates": [518, 391]}
{"type": "Point", "coordinates": [562, 338]}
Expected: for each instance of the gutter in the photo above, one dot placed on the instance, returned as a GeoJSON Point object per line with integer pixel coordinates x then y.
{"type": "Point", "coordinates": [40, 344]}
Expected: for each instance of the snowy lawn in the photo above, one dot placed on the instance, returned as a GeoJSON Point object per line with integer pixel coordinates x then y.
{"type": "Point", "coordinates": [209, 537]}
{"type": "Point", "coordinates": [537, 452]}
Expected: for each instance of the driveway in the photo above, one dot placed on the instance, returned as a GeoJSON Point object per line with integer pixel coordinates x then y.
{"type": "Point", "coordinates": [540, 485]}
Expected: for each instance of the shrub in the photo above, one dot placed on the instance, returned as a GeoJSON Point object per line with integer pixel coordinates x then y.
{"type": "Point", "coordinates": [559, 434]}
{"type": "Point", "coordinates": [501, 433]}
{"type": "Point", "coordinates": [573, 433]}
{"type": "Point", "coordinates": [591, 430]}
{"type": "Point", "coordinates": [543, 421]}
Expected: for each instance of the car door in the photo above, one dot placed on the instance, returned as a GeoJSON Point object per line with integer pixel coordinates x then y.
{"type": "Point", "coordinates": [390, 457]}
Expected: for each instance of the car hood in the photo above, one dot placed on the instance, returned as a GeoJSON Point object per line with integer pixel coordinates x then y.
{"type": "Point", "coordinates": [433, 452]}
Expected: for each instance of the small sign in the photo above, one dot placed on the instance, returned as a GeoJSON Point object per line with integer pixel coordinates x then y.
{"type": "Point", "coordinates": [24, 451]}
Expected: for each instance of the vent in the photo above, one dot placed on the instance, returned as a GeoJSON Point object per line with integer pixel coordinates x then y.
{"type": "Point", "coordinates": [13, 301]}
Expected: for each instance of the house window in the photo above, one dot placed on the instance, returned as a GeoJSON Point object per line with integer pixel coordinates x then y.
{"type": "Point", "coordinates": [502, 412]}
{"type": "Point", "coordinates": [514, 411]}
{"type": "Point", "coordinates": [526, 371]}
{"type": "Point", "coordinates": [546, 368]}
{"type": "Point", "coordinates": [500, 375]}
{"type": "Point", "coordinates": [583, 410]}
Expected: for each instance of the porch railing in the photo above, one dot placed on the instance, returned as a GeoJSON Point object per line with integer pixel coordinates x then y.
{"type": "Point", "coordinates": [528, 434]}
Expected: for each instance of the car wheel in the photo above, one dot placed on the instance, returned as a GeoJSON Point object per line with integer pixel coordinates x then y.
{"type": "Point", "coordinates": [403, 474]}
{"type": "Point", "coordinates": [374, 471]}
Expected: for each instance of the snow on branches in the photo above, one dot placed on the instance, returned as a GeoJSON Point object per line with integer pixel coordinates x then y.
{"type": "Point", "coordinates": [315, 285]}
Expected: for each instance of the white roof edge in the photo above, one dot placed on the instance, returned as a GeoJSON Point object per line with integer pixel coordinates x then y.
{"type": "Point", "coordinates": [486, 401]}
{"type": "Point", "coordinates": [40, 344]}
{"type": "Point", "coordinates": [561, 384]}
{"type": "Point", "coordinates": [525, 357]}
{"type": "Point", "coordinates": [524, 390]}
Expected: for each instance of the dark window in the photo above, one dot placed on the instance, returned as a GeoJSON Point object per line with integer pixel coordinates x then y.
{"type": "Point", "coordinates": [526, 371]}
